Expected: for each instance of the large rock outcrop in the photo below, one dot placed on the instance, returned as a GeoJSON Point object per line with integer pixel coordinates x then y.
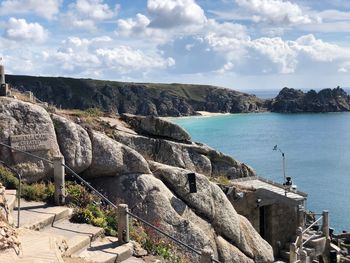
{"type": "Point", "coordinates": [74, 143]}
{"type": "Point", "coordinates": [326, 100]}
{"type": "Point", "coordinates": [157, 127]}
{"type": "Point", "coordinates": [196, 157]}
{"type": "Point", "coordinates": [27, 127]}
{"type": "Point", "coordinates": [212, 204]}
{"type": "Point", "coordinates": [111, 158]}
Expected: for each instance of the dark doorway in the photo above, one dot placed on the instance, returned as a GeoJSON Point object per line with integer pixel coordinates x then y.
{"type": "Point", "coordinates": [262, 222]}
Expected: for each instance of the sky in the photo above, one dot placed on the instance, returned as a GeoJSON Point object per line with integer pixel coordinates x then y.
{"type": "Point", "coordinates": [239, 44]}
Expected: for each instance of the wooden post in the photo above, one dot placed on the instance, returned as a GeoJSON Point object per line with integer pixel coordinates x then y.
{"type": "Point", "coordinates": [206, 256]}
{"type": "Point", "coordinates": [299, 233]}
{"type": "Point", "coordinates": [325, 225]}
{"type": "Point", "coordinates": [123, 224]}
{"type": "Point", "coordinates": [292, 253]}
{"type": "Point", "coordinates": [59, 173]}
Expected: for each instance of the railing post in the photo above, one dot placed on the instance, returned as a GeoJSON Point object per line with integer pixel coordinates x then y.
{"type": "Point", "coordinates": [303, 256]}
{"type": "Point", "coordinates": [292, 253]}
{"type": "Point", "coordinates": [123, 224]}
{"type": "Point", "coordinates": [301, 216]}
{"type": "Point", "coordinates": [299, 233]}
{"type": "Point", "coordinates": [58, 170]}
{"type": "Point", "coordinates": [325, 224]}
{"type": "Point", "coordinates": [206, 256]}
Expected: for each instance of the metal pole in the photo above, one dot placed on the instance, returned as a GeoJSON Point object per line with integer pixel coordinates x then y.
{"type": "Point", "coordinates": [123, 224]}
{"type": "Point", "coordinates": [58, 167]}
{"type": "Point", "coordinates": [19, 199]}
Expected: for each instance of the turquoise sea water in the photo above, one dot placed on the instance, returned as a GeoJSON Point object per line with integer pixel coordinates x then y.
{"type": "Point", "coordinates": [317, 148]}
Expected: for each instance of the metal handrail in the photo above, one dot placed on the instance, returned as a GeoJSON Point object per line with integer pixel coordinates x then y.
{"type": "Point", "coordinates": [314, 223]}
{"type": "Point", "coordinates": [309, 239]}
{"type": "Point", "coordinates": [110, 202]}
{"type": "Point", "coordinates": [19, 189]}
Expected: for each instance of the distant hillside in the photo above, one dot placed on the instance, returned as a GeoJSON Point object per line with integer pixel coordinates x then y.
{"type": "Point", "coordinates": [136, 98]}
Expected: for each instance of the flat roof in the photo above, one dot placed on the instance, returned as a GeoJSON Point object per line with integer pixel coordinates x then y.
{"type": "Point", "coordinates": [258, 182]}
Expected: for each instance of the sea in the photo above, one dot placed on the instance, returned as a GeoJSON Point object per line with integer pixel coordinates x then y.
{"type": "Point", "coordinates": [316, 147]}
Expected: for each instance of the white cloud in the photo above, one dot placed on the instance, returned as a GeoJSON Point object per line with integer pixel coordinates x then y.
{"type": "Point", "coordinates": [276, 12]}
{"type": "Point", "coordinates": [134, 26]}
{"type": "Point", "coordinates": [81, 55]}
{"type": "Point", "coordinates": [47, 9]}
{"type": "Point", "coordinates": [278, 51]}
{"type": "Point", "coordinates": [84, 14]}
{"type": "Point", "coordinates": [19, 29]}
{"type": "Point", "coordinates": [94, 9]}
{"type": "Point", "coordinates": [174, 13]}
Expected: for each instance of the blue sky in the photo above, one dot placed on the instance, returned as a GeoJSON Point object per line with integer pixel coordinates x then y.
{"type": "Point", "coordinates": [239, 44]}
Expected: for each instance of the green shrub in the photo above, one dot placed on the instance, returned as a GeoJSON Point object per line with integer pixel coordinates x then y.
{"type": "Point", "coordinates": [7, 178]}
{"type": "Point", "coordinates": [38, 192]}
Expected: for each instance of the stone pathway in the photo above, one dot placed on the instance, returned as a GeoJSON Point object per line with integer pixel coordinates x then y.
{"type": "Point", "coordinates": [47, 236]}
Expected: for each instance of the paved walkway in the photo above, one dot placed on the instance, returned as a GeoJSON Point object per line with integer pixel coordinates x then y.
{"type": "Point", "coordinates": [37, 247]}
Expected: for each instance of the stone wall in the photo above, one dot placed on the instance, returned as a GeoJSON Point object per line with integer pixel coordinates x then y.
{"type": "Point", "coordinates": [281, 220]}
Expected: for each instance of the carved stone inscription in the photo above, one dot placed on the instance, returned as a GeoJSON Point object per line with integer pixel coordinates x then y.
{"type": "Point", "coordinates": [31, 142]}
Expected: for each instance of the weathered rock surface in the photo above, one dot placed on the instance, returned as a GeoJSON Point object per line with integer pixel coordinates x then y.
{"type": "Point", "coordinates": [74, 143]}
{"type": "Point", "coordinates": [110, 158]}
{"type": "Point", "coordinates": [195, 157]}
{"type": "Point", "coordinates": [8, 234]}
{"type": "Point", "coordinates": [326, 100]}
{"type": "Point", "coordinates": [148, 197]}
{"type": "Point", "coordinates": [211, 203]}
{"type": "Point", "coordinates": [229, 253]}
{"type": "Point", "coordinates": [152, 126]}
{"type": "Point", "coordinates": [21, 118]}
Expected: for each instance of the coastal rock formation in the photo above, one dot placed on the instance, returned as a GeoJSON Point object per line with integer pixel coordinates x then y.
{"type": "Point", "coordinates": [74, 143]}
{"type": "Point", "coordinates": [111, 158]}
{"type": "Point", "coordinates": [196, 157]}
{"type": "Point", "coordinates": [224, 219]}
{"type": "Point", "coordinates": [326, 100]}
{"type": "Point", "coordinates": [148, 172]}
{"type": "Point", "coordinates": [152, 126]}
{"type": "Point", "coordinates": [137, 98]}
{"type": "Point", "coordinates": [20, 125]}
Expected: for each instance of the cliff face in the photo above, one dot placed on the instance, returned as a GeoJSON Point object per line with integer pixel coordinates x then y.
{"type": "Point", "coordinates": [141, 99]}
{"type": "Point", "coordinates": [326, 100]}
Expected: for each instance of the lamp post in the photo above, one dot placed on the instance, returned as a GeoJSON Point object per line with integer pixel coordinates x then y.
{"type": "Point", "coordinates": [275, 148]}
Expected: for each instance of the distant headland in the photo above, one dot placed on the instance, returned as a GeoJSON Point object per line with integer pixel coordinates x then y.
{"type": "Point", "coordinates": [173, 99]}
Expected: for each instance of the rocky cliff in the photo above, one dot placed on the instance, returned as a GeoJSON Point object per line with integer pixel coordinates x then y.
{"type": "Point", "coordinates": [136, 98]}
{"type": "Point", "coordinates": [326, 100]}
{"type": "Point", "coordinates": [135, 161]}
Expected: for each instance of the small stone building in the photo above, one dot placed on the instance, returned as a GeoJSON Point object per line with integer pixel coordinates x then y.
{"type": "Point", "coordinates": [274, 212]}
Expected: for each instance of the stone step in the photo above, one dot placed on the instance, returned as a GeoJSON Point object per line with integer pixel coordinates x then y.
{"type": "Point", "coordinates": [106, 250]}
{"type": "Point", "coordinates": [36, 247]}
{"type": "Point", "coordinates": [37, 215]}
{"type": "Point", "coordinates": [134, 260]}
{"type": "Point", "coordinates": [11, 198]}
{"type": "Point", "coordinates": [77, 236]}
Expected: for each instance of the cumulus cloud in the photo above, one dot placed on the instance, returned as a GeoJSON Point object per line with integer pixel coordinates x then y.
{"type": "Point", "coordinates": [276, 12]}
{"type": "Point", "coordinates": [84, 14]}
{"type": "Point", "coordinates": [80, 55]}
{"type": "Point", "coordinates": [19, 29]}
{"type": "Point", "coordinates": [47, 9]}
{"type": "Point", "coordinates": [174, 13]}
{"type": "Point", "coordinates": [134, 26]}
